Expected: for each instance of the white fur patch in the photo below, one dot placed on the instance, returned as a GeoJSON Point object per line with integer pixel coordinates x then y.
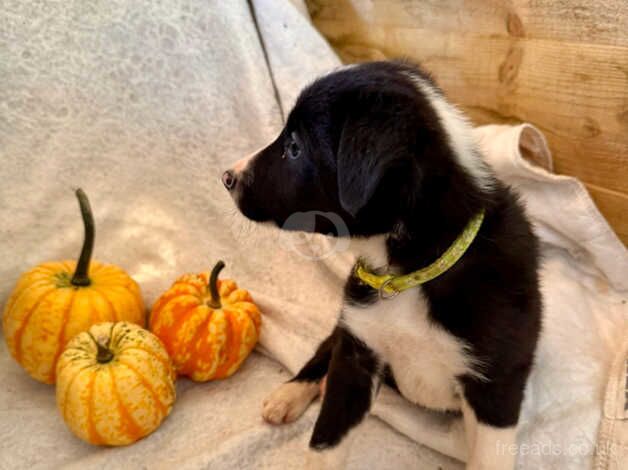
{"type": "Point", "coordinates": [488, 447]}
{"type": "Point", "coordinates": [424, 358]}
{"type": "Point", "coordinates": [494, 448]}
{"type": "Point", "coordinates": [371, 248]}
{"type": "Point", "coordinates": [289, 401]}
{"type": "Point", "coordinates": [243, 163]}
{"type": "Point", "coordinates": [331, 458]}
{"type": "Point", "coordinates": [459, 132]}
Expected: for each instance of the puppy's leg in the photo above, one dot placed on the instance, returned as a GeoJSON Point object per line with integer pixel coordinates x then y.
{"type": "Point", "coordinates": [491, 412]}
{"type": "Point", "coordinates": [291, 399]}
{"type": "Point", "coordinates": [352, 383]}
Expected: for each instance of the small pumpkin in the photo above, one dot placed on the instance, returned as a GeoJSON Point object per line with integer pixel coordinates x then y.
{"type": "Point", "coordinates": [115, 384]}
{"type": "Point", "coordinates": [54, 301]}
{"type": "Point", "coordinates": [209, 326]}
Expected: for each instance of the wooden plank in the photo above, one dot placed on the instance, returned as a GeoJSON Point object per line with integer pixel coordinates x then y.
{"type": "Point", "coordinates": [575, 92]}
{"type": "Point", "coordinates": [614, 206]}
{"type": "Point", "coordinates": [592, 22]}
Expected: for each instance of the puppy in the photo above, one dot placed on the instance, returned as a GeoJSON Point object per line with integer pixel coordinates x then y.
{"type": "Point", "coordinates": [379, 145]}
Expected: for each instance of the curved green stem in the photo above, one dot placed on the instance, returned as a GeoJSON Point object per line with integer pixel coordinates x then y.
{"type": "Point", "coordinates": [104, 354]}
{"type": "Point", "coordinates": [80, 278]}
{"type": "Point", "coordinates": [214, 302]}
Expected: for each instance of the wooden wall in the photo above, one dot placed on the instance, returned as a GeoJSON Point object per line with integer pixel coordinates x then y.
{"type": "Point", "coordinates": [559, 64]}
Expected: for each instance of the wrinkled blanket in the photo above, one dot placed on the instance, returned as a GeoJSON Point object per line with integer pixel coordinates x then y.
{"type": "Point", "coordinates": [143, 104]}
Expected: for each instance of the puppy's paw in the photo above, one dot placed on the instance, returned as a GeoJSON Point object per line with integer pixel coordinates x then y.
{"type": "Point", "coordinates": [289, 401]}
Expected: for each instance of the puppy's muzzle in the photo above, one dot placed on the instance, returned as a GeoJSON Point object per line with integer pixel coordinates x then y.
{"type": "Point", "coordinates": [236, 176]}
{"type": "Point", "coordinates": [229, 179]}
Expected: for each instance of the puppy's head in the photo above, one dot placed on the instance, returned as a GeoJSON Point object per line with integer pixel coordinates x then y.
{"type": "Point", "coordinates": [363, 143]}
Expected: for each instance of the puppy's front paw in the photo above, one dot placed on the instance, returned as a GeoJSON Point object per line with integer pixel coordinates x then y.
{"type": "Point", "coordinates": [289, 401]}
{"type": "Point", "coordinates": [329, 459]}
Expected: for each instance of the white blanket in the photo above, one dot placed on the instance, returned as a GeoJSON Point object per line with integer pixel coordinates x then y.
{"type": "Point", "coordinates": [143, 104]}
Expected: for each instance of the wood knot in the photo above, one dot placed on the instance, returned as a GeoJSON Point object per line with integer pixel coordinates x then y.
{"type": "Point", "coordinates": [591, 127]}
{"type": "Point", "coordinates": [509, 69]}
{"type": "Point", "coordinates": [622, 117]}
{"type": "Point", "coordinates": [514, 26]}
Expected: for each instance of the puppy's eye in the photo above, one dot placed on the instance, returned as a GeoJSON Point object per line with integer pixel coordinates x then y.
{"type": "Point", "coordinates": [293, 147]}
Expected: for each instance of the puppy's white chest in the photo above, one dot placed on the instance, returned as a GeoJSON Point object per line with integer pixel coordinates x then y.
{"type": "Point", "coordinates": [424, 358]}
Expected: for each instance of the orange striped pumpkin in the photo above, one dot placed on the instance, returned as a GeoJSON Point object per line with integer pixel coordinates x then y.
{"type": "Point", "coordinates": [115, 384]}
{"type": "Point", "coordinates": [209, 326]}
{"type": "Point", "coordinates": [54, 301]}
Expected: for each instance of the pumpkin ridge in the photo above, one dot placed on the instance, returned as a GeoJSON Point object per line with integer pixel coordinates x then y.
{"type": "Point", "coordinates": [242, 320]}
{"type": "Point", "coordinates": [230, 346]}
{"type": "Point", "coordinates": [165, 363]}
{"type": "Point", "coordinates": [68, 265]}
{"type": "Point", "coordinates": [46, 268]}
{"type": "Point", "coordinates": [190, 282]}
{"type": "Point", "coordinates": [22, 289]}
{"type": "Point", "coordinates": [112, 278]}
{"type": "Point", "coordinates": [129, 424]}
{"type": "Point", "coordinates": [27, 287]}
{"type": "Point", "coordinates": [94, 436]}
{"type": "Point", "coordinates": [236, 340]}
{"type": "Point", "coordinates": [67, 390]}
{"type": "Point", "coordinates": [178, 323]}
{"type": "Point", "coordinates": [118, 278]}
{"type": "Point", "coordinates": [119, 338]}
{"type": "Point", "coordinates": [82, 347]}
{"type": "Point", "coordinates": [95, 267]}
{"type": "Point", "coordinates": [113, 325]}
{"type": "Point", "coordinates": [17, 336]}
{"type": "Point", "coordinates": [160, 303]}
{"type": "Point", "coordinates": [139, 348]}
{"type": "Point", "coordinates": [172, 293]}
{"type": "Point", "coordinates": [108, 302]}
{"type": "Point", "coordinates": [226, 287]}
{"type": "Point", "coordinates": [61, 337]}
{"type": "Point", "coordinates": [109, 279]}
{"type": "Point", "coordinates": [178, 297]}
{"type": "Point", "coordinates": [254, 314]}
{"type": "Point", "coordinates": [146, 385]}
{"type": "Point", "coordinates": [207, 351]}
{"type": "Point", "coordinates": [202, 327]}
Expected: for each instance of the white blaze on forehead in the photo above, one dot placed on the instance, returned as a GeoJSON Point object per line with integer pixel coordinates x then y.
{"type": "Point", "coordinates": [243, 163]}
{"type": "Point", "coordinates": [459, 133]}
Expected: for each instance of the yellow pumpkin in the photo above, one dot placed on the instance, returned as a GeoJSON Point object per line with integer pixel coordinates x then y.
{"type": "Point", "coordinates": [57, 300]}
{"type": "Point", "coordinates": [115, 384]}
{"type": "Point", "coordinates": [208, 326]}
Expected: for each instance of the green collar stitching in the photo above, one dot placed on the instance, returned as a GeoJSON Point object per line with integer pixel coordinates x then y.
{"type": "Point", "coordinates": [389, 285]}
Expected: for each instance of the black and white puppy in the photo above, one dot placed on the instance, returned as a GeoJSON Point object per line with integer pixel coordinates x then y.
{"type": "Point", "coordinates": [379, 145]}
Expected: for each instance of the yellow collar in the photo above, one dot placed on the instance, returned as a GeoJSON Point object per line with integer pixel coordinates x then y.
{"type": "Point", "coordinates": [389, 285]}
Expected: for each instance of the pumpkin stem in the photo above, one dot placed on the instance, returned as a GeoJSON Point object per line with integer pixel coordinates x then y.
{"type": "Point", "coordinates": [79, 278]}
{"type": "Point", "coordinates": [104, 354]}
{"type": "Point", "coordinates": [213, 287]}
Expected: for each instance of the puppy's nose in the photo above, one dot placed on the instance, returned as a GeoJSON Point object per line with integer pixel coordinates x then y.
{"type": "Point", "coordinates": [229, 179]}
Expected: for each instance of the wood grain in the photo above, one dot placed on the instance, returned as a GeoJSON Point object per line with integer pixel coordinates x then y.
{"type": "Point", "coordinates": [588, 21]}
{"type": "Point", "coordinates": [561, 65]}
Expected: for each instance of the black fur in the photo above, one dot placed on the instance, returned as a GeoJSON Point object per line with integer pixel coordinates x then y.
{"type": "Point", "coordinates": [350, 385]}
{"type": "Point", "coordinates": [370, 147]}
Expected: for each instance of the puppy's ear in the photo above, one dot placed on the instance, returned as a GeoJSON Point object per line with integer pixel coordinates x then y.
{"type": "Point", "coordinates": [372, 143]}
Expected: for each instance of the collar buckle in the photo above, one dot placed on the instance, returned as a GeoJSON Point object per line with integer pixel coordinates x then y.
{"type": "Point", "coordinates": [383, 294]}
